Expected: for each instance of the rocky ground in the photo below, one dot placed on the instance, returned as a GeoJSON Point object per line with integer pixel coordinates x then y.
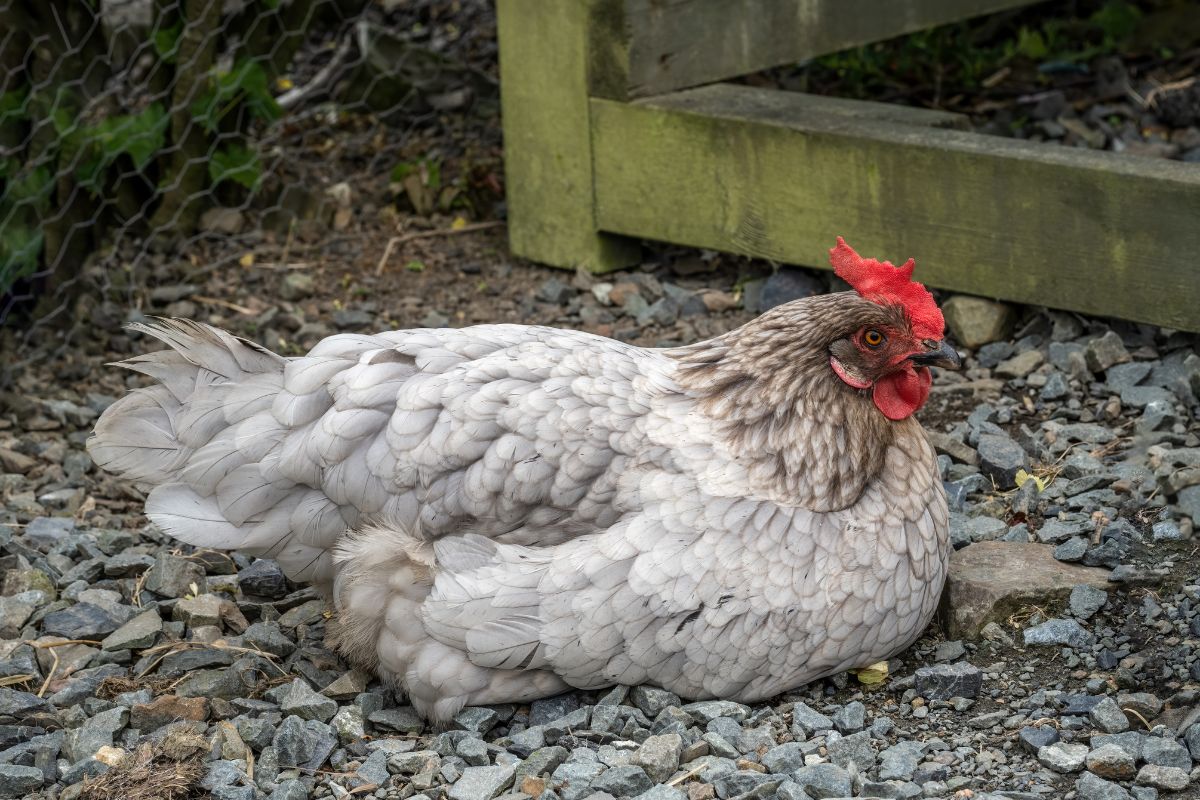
{"type": "Point", "coordinates": [1065, 662]}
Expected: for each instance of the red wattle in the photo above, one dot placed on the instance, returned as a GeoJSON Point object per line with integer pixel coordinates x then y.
{"type": "Point", "coordinates": [900, 394]}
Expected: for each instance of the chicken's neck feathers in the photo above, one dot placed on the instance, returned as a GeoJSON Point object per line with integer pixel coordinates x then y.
{"type": "Point", "coordinates": [803, 436]}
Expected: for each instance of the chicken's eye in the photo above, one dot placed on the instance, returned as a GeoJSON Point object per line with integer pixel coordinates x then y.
{"type": "Point", "coordinates": [873, 338]}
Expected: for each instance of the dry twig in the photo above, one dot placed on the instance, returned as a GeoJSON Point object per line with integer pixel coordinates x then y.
{"type": "Point", "coordinates": [395, 241]}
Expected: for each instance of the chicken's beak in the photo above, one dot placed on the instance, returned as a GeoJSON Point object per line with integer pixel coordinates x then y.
{"type": "Point", "coordinates": [938, 354]}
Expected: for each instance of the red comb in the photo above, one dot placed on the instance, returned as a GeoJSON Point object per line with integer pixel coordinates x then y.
{"type": "Point", "coordinates": [887, 284]}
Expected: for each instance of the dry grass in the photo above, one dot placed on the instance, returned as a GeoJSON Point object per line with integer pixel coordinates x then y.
{"type": "Point", "coordinates": [112, 686]}
{"type": "Point", "coordinates": [168, 770]}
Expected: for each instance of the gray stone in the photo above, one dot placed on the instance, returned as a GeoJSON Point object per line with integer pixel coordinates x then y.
{"type": "Point", "coordinates": [221, 773]}
{"type": "Point", "coordinates": [784, 285]}
{"type": "Point", "coordinates": [482, 783]}
{"type": "Point", "coordinates": [137, 634]}
{"type": "Point", "coordinates": [707, 710]}
{"type": "Point", "coordinates": [1058, 632]}
{"type": "Point", "coordinates": [1086, 600]}
{"type": "Point", "coordinates": [1192, 737]}
{"type": "Point", "coordinates": [1055, 531]}
{"type": "Point", "coordinates": [659, 756]}
{"type": "Point", "coordinates": [943, 681]}
{"type": "Point", "coordinates": [1165, 752]}
{"type": "Point", "coordinates": [900, 761]}
{"type": "Point", "coordinates": [1063, 757]}
{"type": "Point", "coordinates": [1019, 365]}
{"type": "Point", "coordinates": [856, 747]}
{"type": "Point", "coordinates": [652, 700]}
{"type": "Point", "coordinates": [850, 718]}
{"type": "Point", "coordinates": [662, 792]}
{"type": "Point", "coordinates": [790, 790]}
{"type": "Point", "coordinates": [127, 565]}
{"type": "Point", "coordinates": [267, 636]}
{"type": "Point", "coordinates": [1056, 387]}
{"type": "Point", "coordinates": [1144, 396]}
{"type": "Point", "coordinates": [400, 719]}
{"type": "Point", "coordinates": [823, 780]}
{"type": "Point", "coordinates": [527, 741]}
{"type": "Point", "coordinates": [1112, 763]}
{"type": "Point", "coordinates": [1108, 716]}
{"type": "Point", "coordinates": [622, 781]}
{"type": "Point", "coordinates": [473, 751]}
{"type": "Point", "coordinates": [752, 741]}
{"type": "Point", "coordinates": [16, 610]}
{"type": "Point", "coordinates": [296, 286]}
{"type": "Point", "coordinates": [974, 321]}
{"type": "Point", "coordinates": [573, 779]}
{"type": "Point", "coordinates": [806, 721]}
{"type": "Point", "coordinates": [94, 733]}
{"type": "Point", "coordinates": [542, 761]}
{"type": "Point", "coordinates": [1166, 531]}
{"type": "Point", "coordinates": [477, 720]}
{"type": "Point", "coordinates": [1122, 376]}
{"type": "Point", "coordinates": [1072, 549]}
{"type": "Point", "coordinates": [45, 532]}
{"type": "Point", "coordinates": [1171, 779]}
{"type": "Point", "coordinates": [1000, 458]}
{"type": "Point", "coordinates": [1092, 787]}
{"type": "Point", "coordinates": [349, 724]}
{"type": "Point", "coordinates": [263, 578]}
{"type": "Point", "coordinates": [290, 790]}
{"type": "Point", "coordinates": [18, 781]}
{"type": "Point", "coordinates": [1131, 742]}
{"type": "Point", "coordinates": [784, 758]}
{"type": "Point", "coordinates": [303, 743]}
{"type": "Point", "coordinates": [203, 610]}
{"type": "Point", "coordinates": [81, 621]}
{"type": "Point", "coordinates": [298, 698]}
{"type": "Point", "coordinates": [172, 576]}
{"type": "Point", "coordinates": [1104, 352]}
{"type": "Point", "coordinates": [743, 782]}
{"type": "Point", "coordinates": [551, 709]}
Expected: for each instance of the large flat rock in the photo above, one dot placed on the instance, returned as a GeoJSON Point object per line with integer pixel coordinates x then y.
{"type": "Point", "coordinates": [990, 581]}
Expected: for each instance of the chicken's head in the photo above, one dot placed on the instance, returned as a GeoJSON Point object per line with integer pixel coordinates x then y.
{"type": "Point", "coordinates": [899, 339]}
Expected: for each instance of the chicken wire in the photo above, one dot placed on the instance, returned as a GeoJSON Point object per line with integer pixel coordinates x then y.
{"type": "Point", "coordinates": [130, 129]}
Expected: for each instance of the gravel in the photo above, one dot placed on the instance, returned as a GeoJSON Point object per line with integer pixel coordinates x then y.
{"type": "Point", "coordinates": [1079, 679]}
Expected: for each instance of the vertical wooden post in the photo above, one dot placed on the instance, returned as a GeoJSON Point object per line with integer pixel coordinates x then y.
{"type": "Point", "coordinates": [553, 54]}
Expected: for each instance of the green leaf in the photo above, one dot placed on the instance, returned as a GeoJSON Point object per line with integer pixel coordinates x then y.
{"type": "Point", "coordinates": [237, 163]}
{"type": "Point", "coordinates": [1032, 44]}
{"type": "Point", "coordinates": [246, 83]}
{"type": "Point", "coordinates": [31, 187]}
{"type": "Point", "coordinates": [166, 42]}
{"type": "Point", "coordinates": [20, 250]}
{"type": "Point", "coordinates": [1117, 19]}
{"type": "Point", "coordinates": [13, 106]}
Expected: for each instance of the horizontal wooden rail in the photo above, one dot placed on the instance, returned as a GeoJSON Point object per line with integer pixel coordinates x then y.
{"type": "Point", "coordinates": [779, 174]}
{"type": "Point", "coordinates": [674, 44]}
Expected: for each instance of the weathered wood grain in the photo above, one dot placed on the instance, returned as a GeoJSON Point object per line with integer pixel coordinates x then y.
{"type": "Point", "coordinates": [778, 175]}
{"type": "Point", "coordinates": [680, 43]}
{"type": "Point", "coordinates": [545, 80]}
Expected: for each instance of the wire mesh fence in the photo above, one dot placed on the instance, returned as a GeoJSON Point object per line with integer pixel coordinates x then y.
{"type": "Point", "coordinates": [133, 131]}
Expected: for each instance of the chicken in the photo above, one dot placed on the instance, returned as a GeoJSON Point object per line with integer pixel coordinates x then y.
{"type": "Point", "coordinates": [499, 513]}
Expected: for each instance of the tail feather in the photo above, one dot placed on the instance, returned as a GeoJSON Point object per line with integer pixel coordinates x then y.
{"type": "Point", "coordinates": [206, 440]}
{"type": "Point", "coordinates": [149, 435]}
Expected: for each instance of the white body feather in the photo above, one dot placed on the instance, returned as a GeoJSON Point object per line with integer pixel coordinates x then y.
{"type": "Point", "coordinates": [504, 511]}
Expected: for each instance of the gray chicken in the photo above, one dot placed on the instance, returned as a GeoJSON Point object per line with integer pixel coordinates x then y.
{"type": "Point", "coordinates": [502, 512]}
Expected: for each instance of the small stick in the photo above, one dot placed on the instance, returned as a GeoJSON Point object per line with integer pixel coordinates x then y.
{"type": "Point", "coordinates": [1134, 711]}
{"type": "Point", "coordinates": [213, 301]}
{"type": "Point", "coordinates": [54, 654]}
{"type": "Point", "coordinates": [409, 237]}
{"type": "Point", "coordinates": [693, 772]}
